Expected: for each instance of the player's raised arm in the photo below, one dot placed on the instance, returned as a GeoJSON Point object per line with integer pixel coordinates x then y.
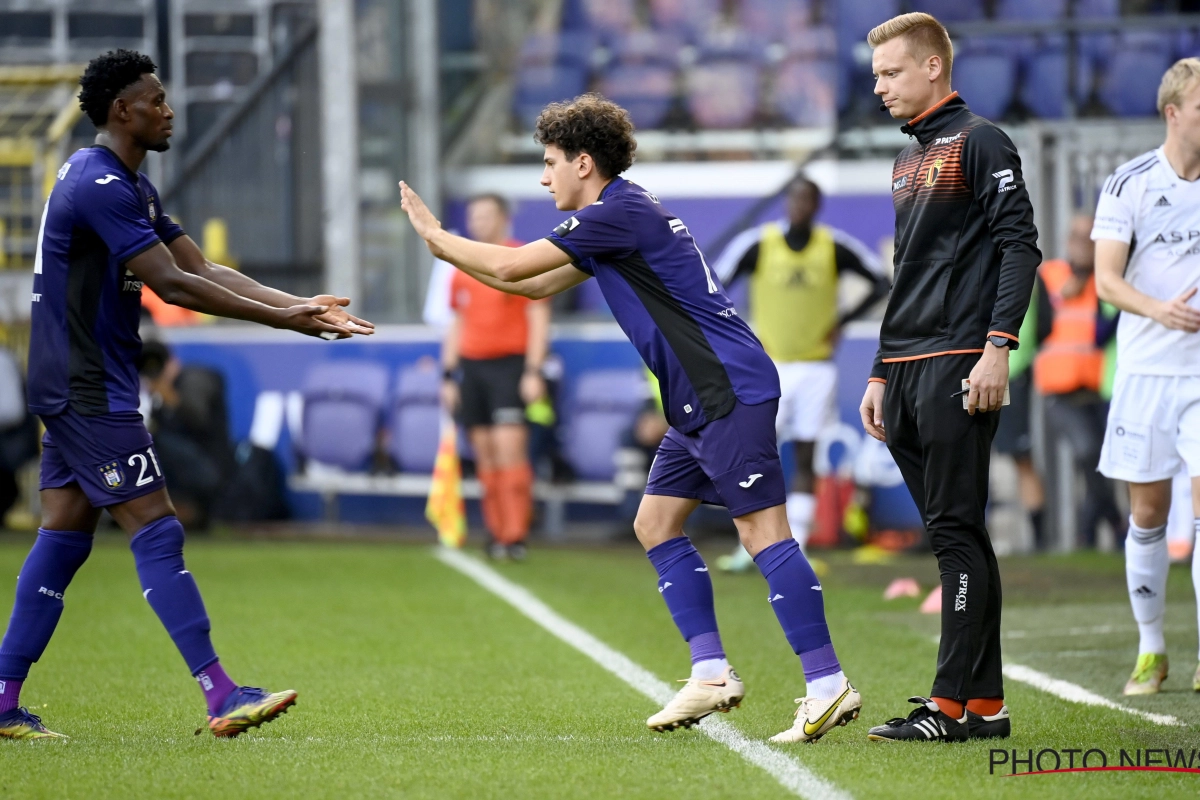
{"type": "Point", "coordinates": [158, 270]}
{"type": "Point", "coordinates": [501, 264]}
{"type": "Point", "coordinates": [189, 258]}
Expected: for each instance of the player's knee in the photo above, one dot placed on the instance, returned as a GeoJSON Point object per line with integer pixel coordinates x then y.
{"type": "Point", "coordinates": [650, 531]}
{"type": "Point", "coordinates": [162, 538]}
{"type": "Point", "coordinates": [1149, 510]}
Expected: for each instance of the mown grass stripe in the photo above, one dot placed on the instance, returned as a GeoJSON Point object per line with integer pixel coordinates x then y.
{"type": "Point", "coordinates": [1077, 694]}
{"type": "Point", "coordinates": [787, 771]}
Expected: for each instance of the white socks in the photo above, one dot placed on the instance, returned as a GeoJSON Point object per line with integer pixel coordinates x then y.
{"type": "Point", "coordinates": [800, 508]}
{"type": "Point", "coordinates": [1146, 565]}
{"type": "Point", "coordinates": [826, 688]}
{"type": "Point", "coordinates": [1196, 568]}
{"type": "Point", "coordinates": [710, 669]}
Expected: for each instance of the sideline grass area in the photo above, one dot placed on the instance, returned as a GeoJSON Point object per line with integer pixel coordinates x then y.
{"type": "Point", "coordinates": [415, 682]}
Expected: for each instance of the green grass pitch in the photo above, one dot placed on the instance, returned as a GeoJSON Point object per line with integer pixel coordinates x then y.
{"type": "Point", "coordinates": [415, 682]}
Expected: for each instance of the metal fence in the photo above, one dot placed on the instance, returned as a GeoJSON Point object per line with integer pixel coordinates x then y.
{"type": "Point", "coordinates": [258, 171]}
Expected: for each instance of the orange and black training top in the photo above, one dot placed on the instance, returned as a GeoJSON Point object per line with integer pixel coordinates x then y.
{"type": "Point", "coordinates": [966, 248]}
{"type": "Point", "coordinates": [494, 324]}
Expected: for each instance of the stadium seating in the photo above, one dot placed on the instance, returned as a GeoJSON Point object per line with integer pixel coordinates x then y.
{"type": "Point", "coordinates": [343, 401]}
{"type": "Point", "coordinates": [987, 82]}
{"type": "Point", "coordinates": [1130, 86]}
{"type": "Point", "coordinates": [647, 47]}
{"type": "Point", "coordinates": [647, 92]}
{"type": "Point", "coordinates": [1045, 88]}
{"type": "Point", "coordinates": [1031, 10]}
{"type": "Point", "coordinates": [606, 403]}
{"type": "Point", "coordinates": [692, 17]}
{"type": "Point", "coordinates": [806, 92]}
{"type": "Point", "coordinates": [539, 85]}
{"type": "Point", "coordinates": [609, 17]}
{"type": "Point", "coordinates": [951, 10]}
{"type": "Point", "coordinates": [723, 94]}
{"type": "Point", "coordinates": [414, 421]}
{"type": "Point", "coordinates": [774, 21]}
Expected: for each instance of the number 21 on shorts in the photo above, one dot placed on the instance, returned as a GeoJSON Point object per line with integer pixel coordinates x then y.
{"type": "Point", "coordinates": [140, 461]}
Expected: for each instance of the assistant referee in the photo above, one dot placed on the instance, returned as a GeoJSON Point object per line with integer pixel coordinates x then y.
{"type": "Point", "coordinates": [966, 256]}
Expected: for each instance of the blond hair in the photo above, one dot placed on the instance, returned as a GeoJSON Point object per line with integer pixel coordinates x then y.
{"type": "Point", "coordinates": [1177, 81]}
{"type": "Point", "coordinates": [924, 34]}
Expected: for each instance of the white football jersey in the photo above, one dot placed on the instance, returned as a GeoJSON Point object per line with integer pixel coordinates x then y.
{"type": "Point", "coordinates": [1145, 204]}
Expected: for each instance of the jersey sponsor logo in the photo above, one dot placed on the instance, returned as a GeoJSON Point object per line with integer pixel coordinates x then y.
{"type": "Point", "coordinates": [568, 226]}
{"type": "Point", "coordinates": [131, 283]}
{"type": "Point", "coordinates": [932, 174]}
{"type": "Point", "coordinates": [113, 477]}
{"type": "Point", "coordinates": [1006, 181]}
{"type": "Point", "coordinates": [107, 179]}
{"type": "Point", "coordinates": [960, 599]}
{"type": "Point", "coordinates": [1191, 240]}
{"type": "Point", "coordinates": [1163, 201]}
{"type": "Point", "coordinates": [746, 484]}
{"type": "Point", "coordinates": [948, 139]}
{"type": "Point", "coordinates": [63, 170]}
{"type": "Point", "coordinates": [899, 183]}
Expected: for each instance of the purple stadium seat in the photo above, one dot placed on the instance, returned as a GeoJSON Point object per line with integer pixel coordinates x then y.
{"type": "Point", "coordinates": [806, 92]}
{"type": "Point", "coordinates": [951, 10]}
{"type": "Point", "coordinates": [570, 48]}
{"type": "Point", "coordinates": [1031, 10]}
{"type": "Point", "coordinates": [1188, 44]}
{"type": "Point", "coordinates": [343, 401]}
{"type": "Point", "coordinates": [987, 82]}
{"type": "Point", "coordinates": [647, 47]}
{"type": "Point", "coordinates": [609, 16]}
{"type": "Point", "coordinates": [695, 17]}
{"type": "Point", "coordinates": [537, 86]}
{"type": "Point", "coordinates": [731, 44]}
{"type": "Point", "coordinates": [1130, 87]}
{"type": "Point", "coordinates": [1044, 91]}
{"type": "Point", "coordinates": [773, 20]}
{"type": "Point", "coordinates": [819, 41]}
{"type": "Point", "coordinates": [646, 91]}
{"type": "Point", "coordinates": [855, 18]}
{"type": "Point", "coordinates": [606, 403]}
{"type": "Point", "coordinates": [723, 94]}
{"type": "Point", "coordinates": [1097, 9]}
{"type": "Point", "coordinates": [414, 422]}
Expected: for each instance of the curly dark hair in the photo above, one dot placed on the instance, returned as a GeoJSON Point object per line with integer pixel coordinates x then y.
{"type": "Point", "coordinates": [589, 124]}
{"type": "Point", "coordinates": [106, 77]}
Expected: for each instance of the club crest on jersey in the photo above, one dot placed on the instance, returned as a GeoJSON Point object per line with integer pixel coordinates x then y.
{"type": "Point", "coordinates": [568, 226]}
{"type": "Point", "coordinates": [153, 212]}
{"type": "Point", "coordinates": [934, 171]}
{"type": "Point", "coordinates": [114, 478]}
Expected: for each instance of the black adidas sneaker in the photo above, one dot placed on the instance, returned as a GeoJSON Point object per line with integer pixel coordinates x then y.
{"type": "Point", "coordinates": [927, 723]}
{"type": "Point", "coordinates": [997, 726]}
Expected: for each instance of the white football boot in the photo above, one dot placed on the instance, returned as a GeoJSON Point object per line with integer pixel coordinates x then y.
{"type": "Point", "coordinates": [815, 718]}
{"type": "Point", "coordinates": [697, 699]}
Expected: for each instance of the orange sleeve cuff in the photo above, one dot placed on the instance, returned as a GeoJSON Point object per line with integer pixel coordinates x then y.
{"type": "Point", "coordinates": [1005, 335]}
{"type": "Point", "coordinates": [877, 380]}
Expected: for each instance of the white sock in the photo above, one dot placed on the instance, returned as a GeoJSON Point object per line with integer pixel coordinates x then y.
{"type": "Point", "coordinates": [800, 508]}
{"type": "Point", "coordinates": [827, 687]}
{"type": "Point", "coordinates": [1196, 569]}
{"type": "Point", "coordinates": [710, 669]}
{"type": "Point", "coordinates": [1146, 565]}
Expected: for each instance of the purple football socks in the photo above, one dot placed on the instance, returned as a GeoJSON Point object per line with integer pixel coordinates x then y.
{"type": "Point", "coordinates": [216, 686]}
{"type": "Point", "coordinates": [684, 584]}
{"type": "Point", "coordinates": [795, 594]}
{"type": "Point", "coordinates": [10, 695]}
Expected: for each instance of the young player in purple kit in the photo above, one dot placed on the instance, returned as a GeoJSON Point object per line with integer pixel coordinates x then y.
{"type": "Point", "coordinates": [102, 235]}
{"type": "Point", "coordinates": [720, 393]}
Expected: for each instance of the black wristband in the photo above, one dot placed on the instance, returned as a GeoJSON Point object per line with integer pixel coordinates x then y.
{"type": "Point", "coordinates": [450, 375]}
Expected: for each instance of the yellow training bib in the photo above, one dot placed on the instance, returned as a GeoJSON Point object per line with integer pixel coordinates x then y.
{"type": "Point", "coordinates": [793, 295]}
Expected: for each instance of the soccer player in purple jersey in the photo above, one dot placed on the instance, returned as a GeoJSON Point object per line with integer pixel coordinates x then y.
{"type": "Point", "coordinates": [103, 234]}
{"type": "Point", "coordinates": [720, 393]}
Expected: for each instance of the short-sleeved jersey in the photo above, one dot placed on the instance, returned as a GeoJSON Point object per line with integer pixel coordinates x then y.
{"type": "Point", "coordinates": [1145, 204]}
{"type": "Point", "coordinates": [670, 305]}
{"type": "Point", "coordinates": [84, 342]}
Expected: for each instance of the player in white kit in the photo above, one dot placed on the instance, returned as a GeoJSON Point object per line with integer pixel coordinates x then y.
{"type": "Point", "coordinates": [1147, 235]}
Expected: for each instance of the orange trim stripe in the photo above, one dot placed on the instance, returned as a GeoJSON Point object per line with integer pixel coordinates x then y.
{"type": "Point", "coordinates": [931, 355]}
{"type": "Point", "coordinates": [933, 108]}
{"type": "Point", "coordinates": [876, 380]}
{"type": "Point", "coordinates": [1005, 335]}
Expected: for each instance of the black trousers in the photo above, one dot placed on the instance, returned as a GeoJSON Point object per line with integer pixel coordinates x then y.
{"type": "Point", "coordinates": [944, 454]}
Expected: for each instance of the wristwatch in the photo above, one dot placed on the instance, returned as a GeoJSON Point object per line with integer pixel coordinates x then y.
{"type": "Point", "coordinates": [999, 341]}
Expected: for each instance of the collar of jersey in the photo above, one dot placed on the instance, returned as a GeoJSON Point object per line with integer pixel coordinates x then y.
{"type": "Point", "coordinates": [932, 120]}
{"type": "Point", "coordinates": [116, 158]}
{"type": "Point", "coordinates": [610, 186]}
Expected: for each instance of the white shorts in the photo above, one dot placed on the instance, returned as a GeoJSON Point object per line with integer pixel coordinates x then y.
{"type": "Point", "coordinates": [808, 399]}
{"type": "Point", "coordinates": [1153, 428]}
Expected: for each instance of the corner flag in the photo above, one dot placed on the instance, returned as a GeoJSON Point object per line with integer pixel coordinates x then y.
{"type": "Point", "coordinates": [445, 509]}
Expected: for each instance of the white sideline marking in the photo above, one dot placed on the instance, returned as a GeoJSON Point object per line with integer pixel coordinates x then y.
{"type": "Point", "coordinates": [789, 773]}
{"type": "Point", "coordinates": [1077, 694]}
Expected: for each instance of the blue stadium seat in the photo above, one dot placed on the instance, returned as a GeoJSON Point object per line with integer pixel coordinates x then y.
{"type": "Point", "coordinates": [806, 92]}
{"type": "Point", "coordinates": [1187, 44]}
{"type": "Point", "coordinates": [854, 20]}
{"type": "Point", "coordinates": [570, 48]}
{"type": "Point", "coordinates": [819, 41]}
{"type": "Point", "coordinates": [951, 10]}
{"type": "Point", "coordinates": [775, 21]}
{"type": "Point", "coordinates": [987, 82]}
{"type": "Point", "coordinates": [606, 403]}
{"type": "Point", "coordinates": [1031, 10]}
{"type": "Point", "coordinates": [609, 16]}
{"type": "Point", "coordinates": [647, 47]}
{"type": "Point", "coordinates": [732, 44]}
{"type": "Point", "coordinates": [645, 91]}
{"type": "Point", "coordinates": [1044, 90]}
{"type": "Point", "coordinates": [723, 94]}
{"type": "Point", "coordinates": [414, 420]}
{"type": "Point", "coordinates": [692, 17]}
{"type": "Point", "coordinates": [1097, 9]}
{"type": "Point", "coordinates": [343, 401]}
{"type": "Point", "coordinates": [539, 85]}
{"type": "Point", "coordinates": [1130, 86]}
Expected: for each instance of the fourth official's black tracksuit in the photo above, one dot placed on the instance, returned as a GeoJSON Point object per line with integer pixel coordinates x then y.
{"type": "Point", "coordinates": [966, 257]}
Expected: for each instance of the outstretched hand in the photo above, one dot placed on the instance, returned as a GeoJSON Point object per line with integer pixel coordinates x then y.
{"type": "Point", "coordinates": [337, 315]}
{"type": "Point", "coordinates": [307, 319]}
{"type": "Point", "coordinates": [422, 219]}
